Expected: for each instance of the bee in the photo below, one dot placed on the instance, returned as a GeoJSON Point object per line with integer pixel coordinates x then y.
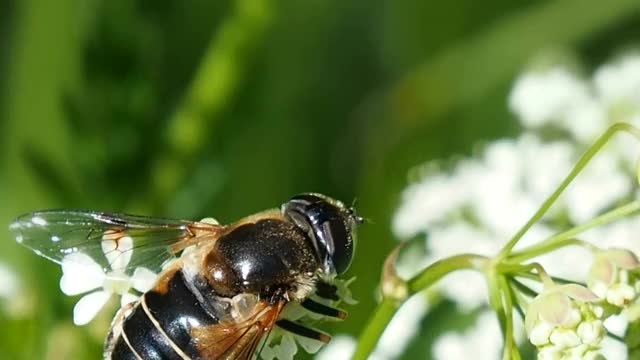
{"type": "Point", "coordinates": [221, 289]}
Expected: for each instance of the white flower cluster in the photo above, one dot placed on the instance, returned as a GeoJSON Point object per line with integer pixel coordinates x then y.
{"type": "Point", "coordinates": [614, 277]}
{"type": "Point", "coordinates": [485, 334]}
{"type": "Point", "coordinates": [565, 322]}
{"type": "Point", "coordinates": [82, 274]}
{"type": "Point", "coordinates": [477, 205]}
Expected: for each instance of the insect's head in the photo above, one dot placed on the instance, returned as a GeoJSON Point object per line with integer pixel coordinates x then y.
{"type": "Point", "coordinates": [329, 224]}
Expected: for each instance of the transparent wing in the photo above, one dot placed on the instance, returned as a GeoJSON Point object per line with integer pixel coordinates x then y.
{"type": "Point", "coordinates": [114, 241]}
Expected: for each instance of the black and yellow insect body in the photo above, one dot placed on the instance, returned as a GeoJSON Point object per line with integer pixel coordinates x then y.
{"type": "Point", "coordinates": [220, 290]}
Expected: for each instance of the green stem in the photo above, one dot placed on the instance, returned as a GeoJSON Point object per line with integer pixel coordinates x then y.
{"type": "Point", "coordinates": [517, 269]}
{"type": "Point", "coordinates": [538, 249]}
{"type": "Point", "coordinates": [375, 327]}
{"type": "Point", "coordinates": [440, 268]}
{"type": "Point", "coordinates": [522, 288]}
{"type": "Point", "coordinates": [388, 307]}
{"type": "Point", "coordinates": [495, 298]}
{"type": "Point", "coordinates": [565, 238]}
{"type": "Point", "coordinates": [510, 348]}
{"type": "Point", "coordinates": [584, 160]}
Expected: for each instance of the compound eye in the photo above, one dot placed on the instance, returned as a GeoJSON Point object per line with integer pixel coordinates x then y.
{"type": "Point", "coordinates": [340, 237]}
{"type": "Point", "coordinates": [330, 226]}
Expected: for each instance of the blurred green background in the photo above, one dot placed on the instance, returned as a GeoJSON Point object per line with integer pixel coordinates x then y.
{"type": "Point", "coordinates": [194, 108]}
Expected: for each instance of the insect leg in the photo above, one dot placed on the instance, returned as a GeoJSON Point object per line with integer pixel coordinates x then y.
{"type": "Point", "coordinates": [304, 331]}
{"type": "Point", "coordinates": [327, 291]}
{"type": "Point", "coordinates": [322, 309]}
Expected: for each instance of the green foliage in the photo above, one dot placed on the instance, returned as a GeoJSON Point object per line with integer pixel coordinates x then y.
{"type": "Point", "coordinates": [224, 108]}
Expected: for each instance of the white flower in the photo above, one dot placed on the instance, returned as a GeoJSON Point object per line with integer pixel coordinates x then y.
{"type": "Point", "coordinates": [564, 322]}
{"type": "Point", "coordinates": [619, 83]}
{"type": "Point", "coordinates": [498, 191]}
{"type": "Point", "coordinates": [81, 274]}
{"type": "Point", "coordinates": [599, 186]}
{"type": "Point", "coordinates": [341, 347]}
{"type": "Point", "coordinates": [283, 345]}
{"type": "Point", "coordinates": [429, 201]}
{"type": "Point", "coordinates": [285, 350]}
{"type": "Point", "coordinates": [479, 203]}
{"type": "Point", "coordinates": [612, 276]}
{"type": "Point", "coordinates": [482, 341]}
{"type": "Point", "coordinates": [540, 97]}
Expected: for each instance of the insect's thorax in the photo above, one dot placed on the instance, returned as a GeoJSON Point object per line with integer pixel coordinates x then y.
{"type": "Point", "coordinates": [268, 257]}
{"type": "Point", "coordinates": [265, 257]}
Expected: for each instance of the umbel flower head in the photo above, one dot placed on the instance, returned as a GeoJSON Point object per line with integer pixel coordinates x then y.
{"type": "Point", "coordinates": [614, 276]}
{"type": "Point", "coordinates": [565, 322]}
{"type": "Point", "coordinates": [82, 274]}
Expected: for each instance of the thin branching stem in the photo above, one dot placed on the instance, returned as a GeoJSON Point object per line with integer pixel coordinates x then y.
{"type": "Point", "coordinates": [522, 288]}
{"type": "Point", "coordinates": [440, 268]}
{"type": "Point", "coordinates": [501, 270]}
{"type": "Point", "coordinates": [506, 268]}
{"type": "Point", "coordinates": [584, 160]}
{"type": "Point", "coordinates": [565, 238]}
{"type": "Point", "coordinates": [538, 249]}
{"type": "Point", "coordinates": [521, 300]}
{"type": "Point", "coordinates": [496, 300]}
{"type": "Point", "coordinates": [510, 348]}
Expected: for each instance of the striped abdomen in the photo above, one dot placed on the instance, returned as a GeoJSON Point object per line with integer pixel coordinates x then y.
{"type": "Point", "coordinates": [159, 326]}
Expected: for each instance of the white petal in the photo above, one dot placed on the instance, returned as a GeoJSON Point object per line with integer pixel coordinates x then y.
{"type": "Point", "coordinates": [143, 279]}
{"type": "Point", "coordinates": [127, 299]}
{"type": "Point", "coordinates": [341, 347]}
{"type": "Point", "coordinates": [118, 251]}
{"type": "Point", "coordinates": [80, 273]}
{"type": "Point", "coordinates": [540, 333]}
{"type": "Point", "coordinates": [88, 307]}
{"type": "Point", "coordinates": [591, 332]}
{"type": "Point", "coordinates": [541, 97]}
{"type": "Point", "coordinates": [565, 338]}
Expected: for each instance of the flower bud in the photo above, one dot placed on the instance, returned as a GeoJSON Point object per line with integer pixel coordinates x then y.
{"type": "Point", "coordinates": [564, 323]}
{"type": "Point", "coordinates": [614, 276]}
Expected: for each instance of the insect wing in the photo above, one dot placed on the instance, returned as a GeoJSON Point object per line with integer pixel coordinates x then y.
{"type": "Point", "coordinates": [114, 241]}
{"type": "Point", "coordinates": [233, 341]}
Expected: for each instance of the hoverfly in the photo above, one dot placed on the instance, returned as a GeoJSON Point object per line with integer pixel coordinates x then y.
{"type": "Point", "coordinates": [221, 289]}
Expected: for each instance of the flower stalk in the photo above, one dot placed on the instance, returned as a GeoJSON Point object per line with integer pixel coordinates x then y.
{"type": "Point", "coordinates": [565, 320]}
{"type": "Point", "coordinates": [390, 304]}
{"type": "Point", "coordinates": [584, 160]}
